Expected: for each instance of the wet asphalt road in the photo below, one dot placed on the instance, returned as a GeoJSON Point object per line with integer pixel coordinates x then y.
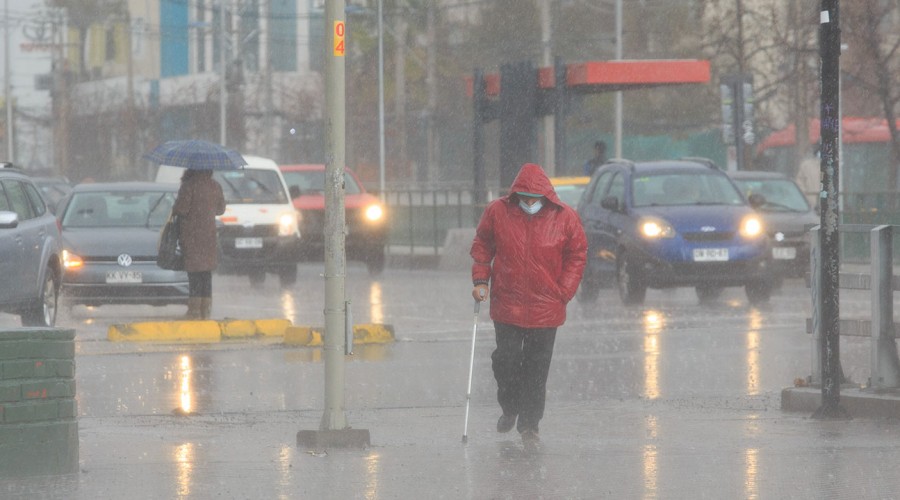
{"type": "Point", "coordinates": [638, 399]}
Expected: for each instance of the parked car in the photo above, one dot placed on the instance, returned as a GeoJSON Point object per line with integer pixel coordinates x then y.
{"type": "Point", "coordinates": [675, 223]}
{"type": "Point", "coordinates": [110, 233]}
{"type": "Point", "coordinates": [366, 218]}
{"type": "Point", "coordinates": [30, 253]}
{"type": "Point", "coordinates": [258, 232]}
{"type": "Point", "coordinates": [570, 188]}
{"type": "Point", "coordinates": [787, 216]}
{"type": "Point", "coordinates": [53, 189]}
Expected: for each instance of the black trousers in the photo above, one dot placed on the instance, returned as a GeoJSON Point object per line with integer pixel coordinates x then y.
{"type": "Point", "coordinates": [521, 363]}
{"type": "Point", "coordinates": [200, 284]}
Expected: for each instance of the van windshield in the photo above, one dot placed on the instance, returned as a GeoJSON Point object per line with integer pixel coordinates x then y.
{"type": "Point", "coordinates": [249, 185]}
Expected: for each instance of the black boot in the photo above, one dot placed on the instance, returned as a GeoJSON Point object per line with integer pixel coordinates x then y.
{"type": "Point", "coordinates": [506, 423]}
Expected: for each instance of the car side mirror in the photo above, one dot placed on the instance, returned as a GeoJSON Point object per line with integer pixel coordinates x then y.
{"type": "Point", "coordinates": [757, 200]}
{"type": "Point", "coordinates": [610, 203]}
{"type": "Point", "coordinates": [9, 220]}
{"type": "Point", "coordinates": [294, 191]}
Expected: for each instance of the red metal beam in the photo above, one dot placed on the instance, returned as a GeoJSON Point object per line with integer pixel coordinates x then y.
{"type": "Point", "coordinates": [607, 76]}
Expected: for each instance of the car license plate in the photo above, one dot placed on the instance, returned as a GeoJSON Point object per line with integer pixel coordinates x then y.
{"type": "Point", "coordinates": [124, 277]}
{"type": "Point", "coordinates": [248, 243]}
{"type": "Point", "coordinates": [710, 254]}
{"type": "Point", "coordinates": [784, 253]}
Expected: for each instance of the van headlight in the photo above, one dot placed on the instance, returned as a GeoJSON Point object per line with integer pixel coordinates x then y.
{"type": "Point", "coordinates": [374, 213]}
{"type": "Point", "coordinates": [751, 227]}
{"type": "Point", "coordinates": [653, 228]}
{"type": "Point", "coordinates": [287, 224]}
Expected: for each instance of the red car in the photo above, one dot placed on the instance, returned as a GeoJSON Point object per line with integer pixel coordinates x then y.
{"type": "Point", "coordinates": [366, 221]}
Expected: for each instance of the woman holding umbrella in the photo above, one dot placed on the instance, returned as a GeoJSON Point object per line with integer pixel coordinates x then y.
{"type": "Point", "coordinates": [199, 201]}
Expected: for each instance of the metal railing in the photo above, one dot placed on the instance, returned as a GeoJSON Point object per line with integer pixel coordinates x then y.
{"type": "Point", "coordinates": [881, 282]}
{"type": "Point", "coordinates": [421, 218]}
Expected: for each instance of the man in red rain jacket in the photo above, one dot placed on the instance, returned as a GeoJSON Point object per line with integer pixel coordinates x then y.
{"type": "Point", "coordinates": [531, 249]}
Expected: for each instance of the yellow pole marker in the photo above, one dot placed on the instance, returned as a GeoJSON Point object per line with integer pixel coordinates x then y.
{"type": "Point", "coordinates": [339, 28]}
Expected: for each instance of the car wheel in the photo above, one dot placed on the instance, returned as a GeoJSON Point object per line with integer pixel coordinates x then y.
{"type": "Point", "coordinates": [42, 311]}
{"type": "Point", "coordinates": [375, 260]}
{"type": "Point", "coordinates": [288, 275]}
{"type": "Point", "coordinates": [631, 288]}
{"type": "Point", "coordinates": [257, 278]}
{"type": "Point", "coordinates": [707, 293]}
{"type": "Point", "coordinates": [758, 292]}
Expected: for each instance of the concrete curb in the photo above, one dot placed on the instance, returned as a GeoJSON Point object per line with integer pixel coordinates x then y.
{"type": "Point", "coordinates": [229, 329]}
{"type": "Point", "coordinates": [857, 402]}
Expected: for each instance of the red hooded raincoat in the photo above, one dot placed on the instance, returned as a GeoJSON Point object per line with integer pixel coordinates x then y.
{"type": "Point", "coordinates": [533, 263]}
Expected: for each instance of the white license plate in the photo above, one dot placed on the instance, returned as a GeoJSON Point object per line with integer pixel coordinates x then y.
{"type": "Point", "coordinates": [248, 243]}
{"type": "Point", "coordinates": [784, 253]}
{"type": "Point", "coordinates": [710, 254]}
{"type": "Point", "coordinates": [124, 277]}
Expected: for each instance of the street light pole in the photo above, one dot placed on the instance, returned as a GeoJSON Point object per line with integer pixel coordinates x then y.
{"type": "Point", "coordinates": [10, 129]}
{"type": "Point", "coordinates": [619, 104]}
{"type": "Point", "coordinates": [223, 90]}
{"type": "Point", "coordinates": [380, 102]}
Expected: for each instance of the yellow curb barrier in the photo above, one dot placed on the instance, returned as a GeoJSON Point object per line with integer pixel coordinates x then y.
{"type": "Point", "coordinates": [197, 331]}
{"type": "Point", "coordinates": [362, 334]}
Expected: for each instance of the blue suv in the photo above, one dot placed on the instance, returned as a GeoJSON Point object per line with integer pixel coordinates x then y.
{"type": "Point", "coordinates": [673, 223]}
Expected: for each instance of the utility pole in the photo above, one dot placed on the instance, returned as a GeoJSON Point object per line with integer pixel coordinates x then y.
{"type": "Point", "coordinates": [333, 430]}
{"type": "Point", "coordinates": [829, 242]}
{"type": "Point", "coordinates": [7, 90]}
{"type": "Point", "coordinates": [619, 103]}
{"type": "Point", "coordinates": [546, 42]}
{"type": "Point", "coordinates": [223, 90]}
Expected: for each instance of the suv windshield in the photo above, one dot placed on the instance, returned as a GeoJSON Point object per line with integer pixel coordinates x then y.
{"type": "Point", "coordinates": [684, 189]}
{"type": "Point", "coordinates": [250, 185]}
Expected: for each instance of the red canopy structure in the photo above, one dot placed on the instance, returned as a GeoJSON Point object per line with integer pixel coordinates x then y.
{"type": "Point", "coordinates": [608, 76]}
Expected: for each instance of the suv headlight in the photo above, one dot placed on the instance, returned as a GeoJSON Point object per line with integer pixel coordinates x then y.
{"type": "Point", "coordinates": [751, 227]}
{"type": "Point", "coordinates": [287, 224]}
{"type": "Point", "coordinates": [653, 228]}
{"type": "Point", "coordinates": [374, 213]}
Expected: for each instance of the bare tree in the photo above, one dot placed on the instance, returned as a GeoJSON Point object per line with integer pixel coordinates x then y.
{"type": "Point", "coordinates": [872, 38]}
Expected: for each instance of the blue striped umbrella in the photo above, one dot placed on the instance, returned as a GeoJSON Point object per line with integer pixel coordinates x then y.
{"type": "Point", "coordinates": [196, 155]}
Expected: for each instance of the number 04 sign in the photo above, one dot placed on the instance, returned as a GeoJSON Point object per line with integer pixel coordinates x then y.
{"type": "Point", "coordinates": [339, 38]}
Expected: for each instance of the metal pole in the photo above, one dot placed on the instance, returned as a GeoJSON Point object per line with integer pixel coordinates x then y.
{"type": "Point", "coordinates": [335, 257]}
{"type": "Point", "coordinates": [830, 50]}
{"type": "Point", "coordinates": [546, 41]}
{"type": "Point", "coordinates": [380, 101]}
{"type": "Point", "coordinates": [7, 92]}
{"type": "Point", "coordinates": [619, 103]}
{"type": "Point", "coordinates": [223, 90]}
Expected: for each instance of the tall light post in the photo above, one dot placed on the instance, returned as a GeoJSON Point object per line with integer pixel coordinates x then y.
{"type": "Point", "coordinates": [380, 101]}
{"type": "Point", "coordinates": [223, 89]}
{"type": "Point", "coordinates": [619, 104]}
{"type": "Point", "coordinates": [7, 92]}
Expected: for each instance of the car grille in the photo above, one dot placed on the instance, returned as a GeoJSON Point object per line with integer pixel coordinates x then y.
{"type": "Point", "coordinates": [238, 231]}
{"type": "Point", "coordinates": [115, 259]}
{"type": "Point", "coordinates": [709, 236]}
{"type": "Point", "coordinates": [313, 223]}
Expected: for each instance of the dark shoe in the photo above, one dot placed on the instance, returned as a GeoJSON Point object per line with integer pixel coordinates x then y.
{"type": "Point", "coordinates": [530, 436]}
{"type": "Point", "coordinates": [506, 423]}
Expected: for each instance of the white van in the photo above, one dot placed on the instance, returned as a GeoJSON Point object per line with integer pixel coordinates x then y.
{"type": "Point", "coordinates": [258, 232]}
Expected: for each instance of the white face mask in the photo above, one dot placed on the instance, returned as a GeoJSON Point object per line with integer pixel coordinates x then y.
{"type": "Point", "coordinates": [531, 209]}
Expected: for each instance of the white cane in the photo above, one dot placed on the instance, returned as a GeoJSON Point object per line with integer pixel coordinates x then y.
{"type": "Point", "coordinates": [465, 437]}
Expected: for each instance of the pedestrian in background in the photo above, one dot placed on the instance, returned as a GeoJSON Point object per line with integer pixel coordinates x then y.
{"type": "Point", "coordinates": [199, 201]}
{"type": "Point", "coordinates": [529, 253]}
{"type": "Point", "coordinates": [598, 159]}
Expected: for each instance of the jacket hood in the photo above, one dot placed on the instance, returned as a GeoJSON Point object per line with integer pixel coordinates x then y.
{"type": "Point", "coordinates": [532, 179]}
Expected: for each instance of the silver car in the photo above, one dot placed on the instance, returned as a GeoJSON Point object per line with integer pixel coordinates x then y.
{"type": "Point", "coordinates": [30, 263]}
{"type": "Point", "coordinates": [110, 233]}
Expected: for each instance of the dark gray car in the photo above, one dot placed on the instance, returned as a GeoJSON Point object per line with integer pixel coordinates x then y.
{"type": "Point", "coordinates": [110, 233]}
{"type": "Point", "coordinates": [787, 216]}
{"type": "Point", "coordinates": [30, 262]}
